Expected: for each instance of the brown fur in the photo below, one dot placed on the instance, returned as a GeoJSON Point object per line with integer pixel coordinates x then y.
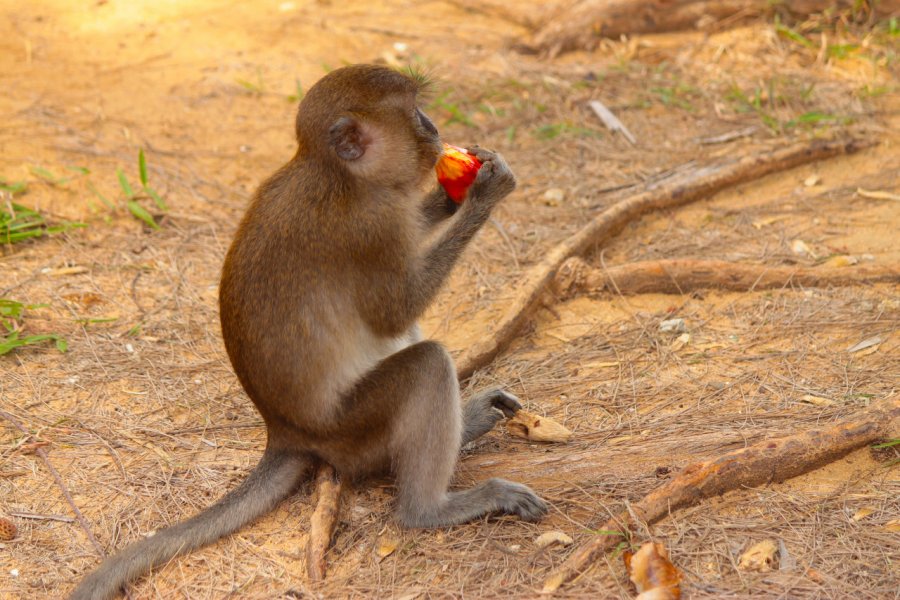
{"type": "Point", "coordinates": [320, 293]}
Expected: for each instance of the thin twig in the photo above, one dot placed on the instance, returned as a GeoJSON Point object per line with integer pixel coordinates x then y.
{"type": "Point", "coordinates": [59, 482]}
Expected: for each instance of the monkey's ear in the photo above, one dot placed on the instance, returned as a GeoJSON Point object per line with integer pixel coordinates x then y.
{"type": "Point", "coordinates": [348, 138]}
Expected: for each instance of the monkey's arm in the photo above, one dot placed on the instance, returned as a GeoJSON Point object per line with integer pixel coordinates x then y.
{"type": "Point", "coordinates": [438, 207]}
{"type": "Point", "coordinates": [393, 308]}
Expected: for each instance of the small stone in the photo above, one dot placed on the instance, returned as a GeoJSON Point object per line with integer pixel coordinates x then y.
{"type": "Point", "coordinates": [672, 326]}
{"type": "Point", "coordinates": [553, 197]}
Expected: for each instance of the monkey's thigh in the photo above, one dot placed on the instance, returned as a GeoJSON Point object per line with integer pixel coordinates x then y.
{"type": "Point", "coordinates": [404, 414]}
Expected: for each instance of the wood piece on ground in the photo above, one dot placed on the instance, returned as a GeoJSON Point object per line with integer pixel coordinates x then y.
{"type": "Point", "coordinates": [729, 136]}
{"type": "Point", "coordinates": [682, 276]}
{"type": "Point", "coordinates": [323, 520]}
{"type": "Point", "coordinates": [765, 462]}
{"type": "Point", "coordinates": [581, 25]}
{"type": "Point", "coordinates": [695, 184]}
{"type": "Point", "coordinates": [611, 121]}
{"type": "Point", "coordinates": [537, 428]}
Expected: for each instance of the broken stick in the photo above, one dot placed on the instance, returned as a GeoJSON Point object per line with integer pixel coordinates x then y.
{"type": "Point", "coordinates": [323, 520]}
{"type": "Point", "coordinates": [681, 276]}
{"type": "Point", "coordinates": [676, 191]}
{"type": "Point", "coordinates": [768, 461]}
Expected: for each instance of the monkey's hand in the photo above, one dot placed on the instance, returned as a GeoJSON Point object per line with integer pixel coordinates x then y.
{"type": "Point", "coordinates": [495, 180]}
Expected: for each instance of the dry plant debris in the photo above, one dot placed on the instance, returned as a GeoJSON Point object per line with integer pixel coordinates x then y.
{"type": "Point", "coordinates": [759, 557]}
{"type": "Point", "coordinates": [537, 428]}
{"type": "Point", "coordinates": [652, 573]}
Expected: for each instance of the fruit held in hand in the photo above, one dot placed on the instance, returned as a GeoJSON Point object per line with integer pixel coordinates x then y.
{"type": "Point", "coordinates": [456, 170]}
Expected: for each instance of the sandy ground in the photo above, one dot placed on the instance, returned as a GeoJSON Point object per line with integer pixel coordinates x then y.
{"type": "Point", "coordinates": [147, 424]}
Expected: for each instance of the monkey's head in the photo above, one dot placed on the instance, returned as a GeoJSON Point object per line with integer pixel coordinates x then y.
{"type": "Point", "coordinates": [364, 120]}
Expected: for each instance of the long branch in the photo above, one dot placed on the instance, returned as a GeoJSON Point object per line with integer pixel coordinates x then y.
{"type": "Point", "coordinates": [768, 461]}
{"type": "Point", "coordinates": [694, 185]}
{"type": "Point", "coordinates": [680, 276]}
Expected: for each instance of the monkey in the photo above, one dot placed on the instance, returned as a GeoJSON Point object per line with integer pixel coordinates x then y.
{"type": "Point", "coordinates": [337, 256]}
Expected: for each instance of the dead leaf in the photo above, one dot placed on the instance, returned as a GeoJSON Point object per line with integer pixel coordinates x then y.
{"type": "Point", "coordinates": [759, 557]}
{"type": "Point", "coordinates": [877, 194]}
{"type": "Point", "coordinates": [800, 247]}
{"type": "Point", "coordinates": [893, 526]}
{"type": "Point", "coordinates": [681, 341]}
{"type": "Point", "coordinates": [387, 544]}
{"type": "Point", "coordinates": [760, 223]}
{"type": "Point", "coordinates": [841, 261]}
{"type": "Point", "coordinates": [867, 343]}
{"type": "Point", "coordinates": [862, 513]}
{"type": "Point", "coordinates": [817, 400]}
{"type": "Point", "coordinates": [552, 537]}
{"type": "Point", "coordinates": [539, 429]}
{"type": "Point", "coordinates": [67, 271]}
{"type": "Point", "coordinates": [652, 574]}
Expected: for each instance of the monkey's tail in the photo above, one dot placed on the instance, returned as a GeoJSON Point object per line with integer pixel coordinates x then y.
{"type": "Point", "coordinates": [274, 478]}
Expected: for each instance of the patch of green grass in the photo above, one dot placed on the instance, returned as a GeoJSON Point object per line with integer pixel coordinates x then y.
{"type": "Point", "coordinates": [13, 187]}
{"type": "Point", "coordinates": [19, 223]}
{"type": "Point", "coordinates": [257, 88]}
{"type": "Point", "coordinates": [11, 313]}
{"type": "Point", "coordinates": [675, 95]}
{"type": "Point", "coordinates": [298, 94]}
{"type": "Point", "coordinates": [840, 51]}
{"type": "Point", "coordinates": [553, 130]}
{"type": "Point", "coordinates": [455, 112]}
{"type": "Point", "coordinates": [792, 34]}
{"type": "Point", "coordinates": [132, 198]}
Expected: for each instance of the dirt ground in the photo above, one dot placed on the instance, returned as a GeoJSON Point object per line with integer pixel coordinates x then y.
{"type": "Point", "coordinates": [147, 424]}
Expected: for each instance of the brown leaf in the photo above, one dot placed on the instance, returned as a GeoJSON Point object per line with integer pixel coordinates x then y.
{"type": "Point", "coordinates": [759, 557]}
{"type": "Point", "coordinates": [653, 575]}
{"type": "Point", "coordinates": [552, 537]}
{"type": "Point", "coordinates": [539, 429]}
{"type": "Point", "coordinates": [387, 544]}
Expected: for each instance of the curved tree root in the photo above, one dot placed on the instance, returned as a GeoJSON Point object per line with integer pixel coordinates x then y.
{"type": "Point", "coordinates": [694, 185]}
{"type": "Point", "coordinates": [681, 276]}
{"type": "Point", "coordinates": [323, 520]}
{"type": "Point", "coordinates": [768, 461]}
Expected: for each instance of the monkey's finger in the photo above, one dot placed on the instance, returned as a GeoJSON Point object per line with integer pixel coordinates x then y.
{"type": "Point", "coordinates": [505, 402]}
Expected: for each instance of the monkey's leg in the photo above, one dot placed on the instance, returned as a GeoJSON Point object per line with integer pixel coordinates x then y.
{"type": "Point", "coordinates": [483, 411]}
{"type": "Point", "coordinates": [418, 390]}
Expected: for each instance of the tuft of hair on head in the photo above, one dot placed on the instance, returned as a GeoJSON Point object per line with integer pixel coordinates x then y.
{"type": "Point", "coordinates": [423, 79]}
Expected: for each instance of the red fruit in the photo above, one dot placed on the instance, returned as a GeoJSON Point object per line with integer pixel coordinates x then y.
{"type": "Point", "coordinates": [456, 170]}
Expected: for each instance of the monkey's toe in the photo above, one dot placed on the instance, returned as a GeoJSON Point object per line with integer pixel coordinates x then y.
{"type": "Point", "coordinates": [520, 500]}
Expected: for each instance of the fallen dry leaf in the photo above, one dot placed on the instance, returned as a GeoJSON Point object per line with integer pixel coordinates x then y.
{"type": "Point", "coordinates": [760, 223]}
{"type": "Point", "coordinates": [67, 271]}
{"type": "Point", "coordinates": [759, 557]}
{"type": "Point", "coordinates": [862, 513]}
{"type": "Point", "coordinates": [866, 344]}
{"type": "Point", "coordinates": [812, 180]}
{"type": "Point", "coordinates": [841, 261]}
{"type": "Point", "coordinates": [817, 400]}
{"type": "Point", "coordinates": [652, 574]}
{"type": "Point", "coordinates": [893, 526]}
{"type": "Point", "coordinates": [387, 544]}
{"type": "Point", "coordinates": [800, 247]}
{"type": "Point", "coordinates": [552, 537]}
{"type": "Point", "coordinates": [539, 429]}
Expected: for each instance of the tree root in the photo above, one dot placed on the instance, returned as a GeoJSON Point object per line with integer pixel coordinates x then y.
{"type": "Point", "coordinates": [768, 461]}
{"type": "Point", "coordinates": [693, 185]}
{"type": "Point", "coordinates": [580, 27]}
{"type": "Point", "coordinates": [682, 276]}
{"type": "Point", "coordinates": [323, 520]}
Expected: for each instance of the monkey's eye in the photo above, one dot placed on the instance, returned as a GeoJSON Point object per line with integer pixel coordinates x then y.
{"type": "Point", "coordinates": [426, 123]}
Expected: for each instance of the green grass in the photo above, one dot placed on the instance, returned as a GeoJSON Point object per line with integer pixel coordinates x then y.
{"type": "Point", "coordinates": [132, 198]}
{"type": "Point", "coordinates": [19, 223]}
{"type": "Point", "coordinates": [11, 313]}
{"type": "Point", "coordinates": [554, 130]}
